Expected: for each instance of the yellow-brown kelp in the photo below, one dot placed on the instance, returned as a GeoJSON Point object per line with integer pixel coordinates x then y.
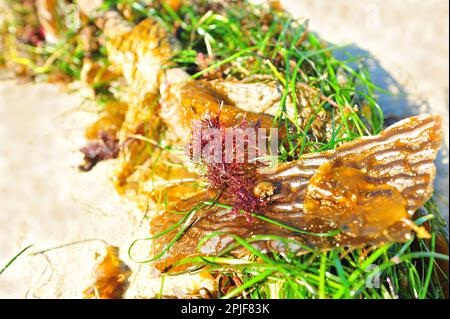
{"type": "Point", "coordinates": [364, 192]}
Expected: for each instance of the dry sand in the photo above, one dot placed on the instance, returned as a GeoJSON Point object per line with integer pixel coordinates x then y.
{"type": "Point", "coordinates": [46, 202]}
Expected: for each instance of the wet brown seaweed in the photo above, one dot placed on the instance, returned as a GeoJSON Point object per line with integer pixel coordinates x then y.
{"type": "Point", "coordinates": [394, 169]}
{"type": "Point", "coordinates": [111, 277]}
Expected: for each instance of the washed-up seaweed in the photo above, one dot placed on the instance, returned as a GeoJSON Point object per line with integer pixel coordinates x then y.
{"type": "Point", "coordinates": [364, 192]}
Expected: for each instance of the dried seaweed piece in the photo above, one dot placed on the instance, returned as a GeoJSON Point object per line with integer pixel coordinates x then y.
{"type": "Point", "coordinates": [401, 156]}
{"type": "Point", "coordinates": [139, 53]}
{"type": "Point", "coordinates": [395, 168]}
{"type": "Point", "coordinates": [104, 148]}
{"type": "Point", "coordinates": [111, 277]}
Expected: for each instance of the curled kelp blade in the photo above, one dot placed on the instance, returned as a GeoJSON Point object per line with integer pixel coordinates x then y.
{"type": "Point", "coordinates": [394, 169]}
{"type": "Point", "coordinates": [282, 232]}
{"type": "Point", "coordinates": [401, 156]}
{"type": "Point", "coordinates": [111, 277]}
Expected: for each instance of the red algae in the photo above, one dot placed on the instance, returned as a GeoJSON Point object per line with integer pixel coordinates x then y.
{"type": "Point", "coordinates": [232, 175]}
{"type": "Point", "coordinates": [104, 148]}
